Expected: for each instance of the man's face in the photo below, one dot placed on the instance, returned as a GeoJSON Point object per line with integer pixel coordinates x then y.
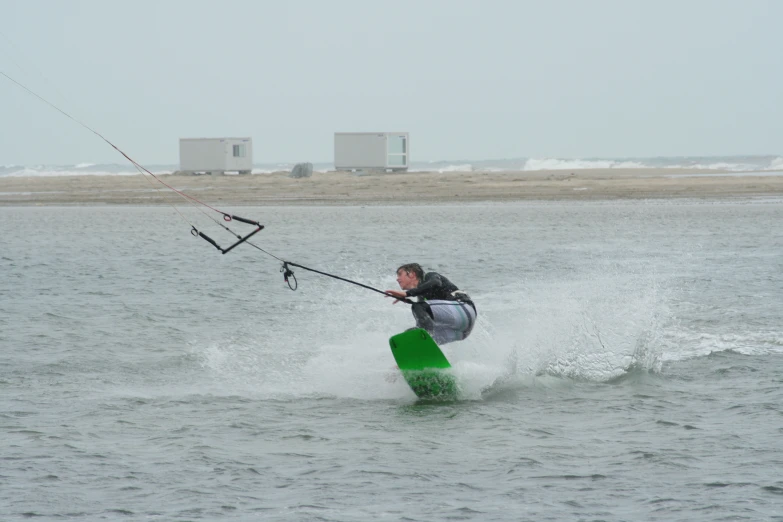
{"type": "Point", "coordinates": [407, 280]}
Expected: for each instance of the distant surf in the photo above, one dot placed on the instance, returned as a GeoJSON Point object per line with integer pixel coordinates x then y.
{"type": "Point", "coordinates": [717, 163]}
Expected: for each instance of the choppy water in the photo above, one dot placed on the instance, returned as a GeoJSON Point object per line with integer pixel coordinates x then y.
{"type": "Point", "coordinates": [627, 365]}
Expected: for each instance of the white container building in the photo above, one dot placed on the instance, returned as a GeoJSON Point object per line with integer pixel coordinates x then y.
{"type": "Point", "coordinates": [371, 150]}
{"type": "Point", "coordinates": [215, 155]}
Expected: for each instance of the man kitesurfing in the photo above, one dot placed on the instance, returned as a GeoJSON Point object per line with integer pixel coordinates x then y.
{"type": "Point", "coordinates": [445, 311]}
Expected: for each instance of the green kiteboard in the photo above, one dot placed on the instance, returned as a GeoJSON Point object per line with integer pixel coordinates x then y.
{"type": "Point", "coordinates": [423, 365]}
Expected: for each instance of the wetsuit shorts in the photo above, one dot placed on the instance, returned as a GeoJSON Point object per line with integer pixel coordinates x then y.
{"type": "Point", "coordinates": [451, 320]}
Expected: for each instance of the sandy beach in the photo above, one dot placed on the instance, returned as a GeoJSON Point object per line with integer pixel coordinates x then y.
{"type": "Point", "coordinates": [368, 188]}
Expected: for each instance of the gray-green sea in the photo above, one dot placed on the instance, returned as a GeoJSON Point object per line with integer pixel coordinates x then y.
{"type": "Point", "coordinates": [627, 364]}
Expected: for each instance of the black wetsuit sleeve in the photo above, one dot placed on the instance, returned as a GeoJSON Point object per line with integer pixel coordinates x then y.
{"type": "Point", "coordinates": [432, 280]}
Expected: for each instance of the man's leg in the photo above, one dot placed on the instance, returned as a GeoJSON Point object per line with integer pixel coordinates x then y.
{"type": "Point", "coordinates": [453, 321]}
{"type": "Point", "coordinates": [423, 315]}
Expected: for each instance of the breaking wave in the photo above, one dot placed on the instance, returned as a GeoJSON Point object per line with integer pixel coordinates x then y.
{"type": "Point", "coordinates": [714, 163]}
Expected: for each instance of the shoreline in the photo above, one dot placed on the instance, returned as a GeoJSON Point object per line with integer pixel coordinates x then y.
{"type": "Point", "coordinates": [345, 188]}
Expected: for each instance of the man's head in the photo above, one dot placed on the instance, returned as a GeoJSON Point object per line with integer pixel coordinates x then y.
{"type": "Point", "coordinates": [409, 276]}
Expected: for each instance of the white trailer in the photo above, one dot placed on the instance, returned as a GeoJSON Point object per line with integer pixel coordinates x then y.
{"type": "Point", "coordinates": [215, 155]}
{"type": "Point", "coordinates": [371, 150]}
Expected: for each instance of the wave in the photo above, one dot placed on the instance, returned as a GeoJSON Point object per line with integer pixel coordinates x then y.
{"type": "Point", "coordinates": [694, 344]}
{"type": "Point", "coordinates": [576, 164]}
{"type": "Point", "coordinates": [715, 163]}
{"type": "Point", "coordinates": [29, 172]}
{"type": "Point", "coordinates": [729, 164]}
{"type": "Point", "coordinates": [441, 167]}
{"type": "Point", "coordinates": [776, 164]}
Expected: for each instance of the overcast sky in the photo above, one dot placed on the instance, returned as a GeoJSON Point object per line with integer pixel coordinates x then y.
{"type": "Point", "coordinates": [468, 79]}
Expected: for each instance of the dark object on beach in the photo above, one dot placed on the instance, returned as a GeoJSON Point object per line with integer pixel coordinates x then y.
{"type": "Point", "coordinates": [302, 170]}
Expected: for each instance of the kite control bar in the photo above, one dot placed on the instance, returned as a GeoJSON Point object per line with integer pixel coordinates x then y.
{"type": "Point", "coordinates": [228, 217]}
